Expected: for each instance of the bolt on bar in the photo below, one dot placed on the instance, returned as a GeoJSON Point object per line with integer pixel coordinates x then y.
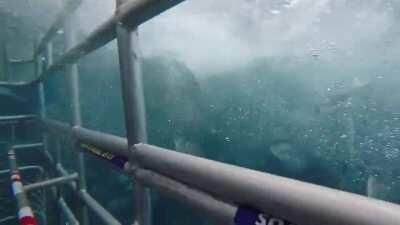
{"type": "Point", "coordinates": [51, 182]}
{"type": "Point", "coordinates": [25, 214]}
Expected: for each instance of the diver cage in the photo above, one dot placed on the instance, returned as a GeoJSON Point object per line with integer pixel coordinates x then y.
{"type": "Point", "coordinates": [229, 194]}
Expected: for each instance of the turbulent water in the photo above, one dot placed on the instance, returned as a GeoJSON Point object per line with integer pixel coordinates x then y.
{"type": "Point", "coordinates": [321, 106]}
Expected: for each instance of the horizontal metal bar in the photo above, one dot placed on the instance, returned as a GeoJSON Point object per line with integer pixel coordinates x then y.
{"type": "Point", "coordinates": [118, 145]}
{"type": "Point", "coordinates": [22, 168]}
{"type": "Point", "coordinates": [111, 143]}
{"type": "Point", "coordinates": [22, 146]}
{"type": "Point", "coordinates": [97, 209]}
{"type": "Point", "coordinates": [134, 13]}
{"type": "Point", "coordinates": [131, 14]}
{"type": "Point", "coordinates": [5, 219]}
{"type": "Point", "coordinates": [57, 127]}
{"type": "Point", "coordinates": [205, 203]}
{"type": "Point", "coordinates": [90, 202]}
{"type": "Point", "coordinates": [299, 202]}
{"type": "Point", "coordinates": [69, 216]}
{"type": "Point", "coordinates": [68, 8]}
{"type": "Point", "coordinates": [20, 61]}
{"type": "Point", "coordinates": [114, 144]}
{"type": "Point", "coordinates": [17, 118]}
{"type": "Point", "coordinates": [63, 172]}
{"type": "Point", "coordinates": [51, 182]}
{"type": "Point", "coordinates": [66, 211]}
{"type": "Point", "coordinates": [13, 83]}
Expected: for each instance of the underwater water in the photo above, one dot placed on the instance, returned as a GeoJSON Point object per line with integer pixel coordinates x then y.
{"type": "Point", "coordinates": [302, 89]}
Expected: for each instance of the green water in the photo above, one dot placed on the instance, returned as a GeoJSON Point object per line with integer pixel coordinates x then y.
{"type": "Point", "coordinates": [329, 116]}
{"type": "Point", "coordinates": [262, 116]}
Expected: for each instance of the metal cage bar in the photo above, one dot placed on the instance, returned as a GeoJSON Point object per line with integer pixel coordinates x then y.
{"type": "Point", "coordinates": [73, 75]}
{"type": "Point", "coordinates": [5, 62]}
{"type": "Point", "coordinates": [299, 202]}
{"type": "Point", "coordinates": [218, 189]}
{"type": "Point", "coordinates": [69, 216]}
{"type": "Point", "coordinates": [132, 14]}
{"type": "Point", "coordinates": [68, 7]}
{"type": "Point", "coordinates": [25, 213]}
{"type": "Point", "coordinates": [51, 182]}
{"type": "Point", "coordinates": [20, 61]}
{"type": "Point", "coordinates": [134, 108]}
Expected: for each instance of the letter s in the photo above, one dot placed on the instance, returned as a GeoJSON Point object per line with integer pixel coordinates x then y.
{"type": "Point", "coordinates": [275, 221]}
{"type": "Point", "coordinates": [261, 220]}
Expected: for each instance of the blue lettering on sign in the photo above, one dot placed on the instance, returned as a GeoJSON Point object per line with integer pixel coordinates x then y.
{"type": "Point", "coordinates": [250, 216]}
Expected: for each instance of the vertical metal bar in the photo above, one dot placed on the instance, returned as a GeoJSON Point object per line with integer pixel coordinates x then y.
{"type": "Point", "coordinates": [134, 108]}
{"type": "Point", "coordinates": [49, 55]}
{"type": "Point", "coordinates": [41, 92]}
{"type": "Point", "coordinates": [13, 133]}
{"type": "Point", "coordinates": [38, 66]}
{"type": "Point", "coordinates": [5, 62]}
{"type": "Point", "coordinates": [48, 51]}
{"type": "Point", "coordinates": [37, 60]}
{"type": "Point", "coordinates": [67, 213]}
{"type": "Point", "coordinates": [58, 152]}
{"type": "Point", "coordinates": [73, 75]}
